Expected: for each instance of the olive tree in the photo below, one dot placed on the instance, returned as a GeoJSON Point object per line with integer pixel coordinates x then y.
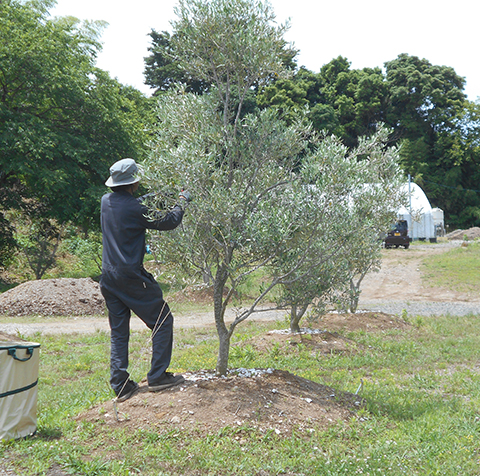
{"type": "Point", "coordinates": [242, 217]}
{"type": "Point", "coordinates": [351, 196]}
{"type": "Point", "coordinates": [265, 189]}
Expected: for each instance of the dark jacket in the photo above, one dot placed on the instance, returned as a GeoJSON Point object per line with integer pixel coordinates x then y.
{"type": "Point", "coordinates": [123, 220]}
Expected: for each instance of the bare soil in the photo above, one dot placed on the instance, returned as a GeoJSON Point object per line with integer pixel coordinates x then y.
{"type": "Point", "coordinates": [266, 400]}
{"type": "Point", "coordinates": [53, 297]}
{"type": "Point", "coordinates": [401, 277]}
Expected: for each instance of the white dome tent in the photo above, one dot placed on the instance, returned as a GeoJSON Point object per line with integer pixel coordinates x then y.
{"type": "Point", "coordinates": [424, 223]}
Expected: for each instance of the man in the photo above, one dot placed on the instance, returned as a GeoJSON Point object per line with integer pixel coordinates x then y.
{"type": "Point", "coordinates": [127, 286]}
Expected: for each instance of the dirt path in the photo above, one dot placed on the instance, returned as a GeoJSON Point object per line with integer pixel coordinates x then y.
{"type": "Point", "coordinates": [400, 279]}
{"type": "Point", "coordinates": [52, 325]}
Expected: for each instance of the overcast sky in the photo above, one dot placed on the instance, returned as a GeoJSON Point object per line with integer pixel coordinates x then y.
{"type": "Point", "coordinates": [368, 33]}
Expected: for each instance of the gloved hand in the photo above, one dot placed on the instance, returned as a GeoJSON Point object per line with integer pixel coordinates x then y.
{"type": "Point", "coordinates": [185, 195]}
{"type": "Point", "coordinates": [185, 198]}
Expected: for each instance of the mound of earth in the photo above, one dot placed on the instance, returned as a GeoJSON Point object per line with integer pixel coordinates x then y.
{"type": "Point", "coordinates": [470, 234]}
{"type": "Point", "coordinates": [266, 400]}
{"type": "Point", "coordinates": [263, 399]}
{"type": "Point", "coordinates": [54, 297]}
{"type": "Point", "coordinates": [323, 336]}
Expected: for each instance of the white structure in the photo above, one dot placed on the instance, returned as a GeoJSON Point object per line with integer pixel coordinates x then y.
{"type": "Point", "coordinates": [438, 221]}
{"type": "Point", "coordinates": [424, 223]}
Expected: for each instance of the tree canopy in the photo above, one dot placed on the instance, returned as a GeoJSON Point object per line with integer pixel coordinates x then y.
{"type": "Point", "coordinates": [62, 120]}
{"type": "Point", "coordinates": [423, 104]}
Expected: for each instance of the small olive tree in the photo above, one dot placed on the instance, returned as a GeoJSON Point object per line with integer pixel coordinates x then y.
{"type": "Point", "coordinates": [355, 194]}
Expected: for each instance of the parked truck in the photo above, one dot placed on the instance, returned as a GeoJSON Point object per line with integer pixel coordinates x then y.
{"type": "Point", "coordinates": [398, 236]}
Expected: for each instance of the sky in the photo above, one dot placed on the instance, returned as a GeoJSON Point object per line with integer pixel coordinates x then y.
{"type": "Point", "coordinates": [368, 33]}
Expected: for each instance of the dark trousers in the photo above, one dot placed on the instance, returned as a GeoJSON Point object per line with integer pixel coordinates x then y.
{"type": "Point", "coordinates": [138, 292]}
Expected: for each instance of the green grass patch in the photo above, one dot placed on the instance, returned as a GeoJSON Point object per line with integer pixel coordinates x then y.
{"type": "Point", "coordinates": [421, 388]}
{"type": "Point", "coordinates": [456, 269]}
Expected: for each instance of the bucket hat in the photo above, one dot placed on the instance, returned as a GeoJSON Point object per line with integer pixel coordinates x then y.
{"type": "Point", "coordinates": [123, 172]}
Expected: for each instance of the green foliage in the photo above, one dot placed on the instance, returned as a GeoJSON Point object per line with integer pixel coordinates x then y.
{"type": "Point", "coordinates": [235, 162]}
{"type": "Point", "coordinates": [62, 120]}
{"type": "Point", "coordinates": [40, 244]}
{"type": "Point", "coordinates": [428, 109]}
{"type": "Point", "coordinates": [78, 257]}
{"type": "Point", "coordinates": [228, 41]}
{"type": "Point", "coordinates": [268, 191]}
{"type": "Point", "coordinates": [7, 241]}
{"type": "Point", "coordinates": [162, 70]}
{"type": "Point", "coordinates": [425, 98]}
{"type": "Point", "coordinates": [350, 198]}
{"type": "Point", "coordinates": [423, 104]}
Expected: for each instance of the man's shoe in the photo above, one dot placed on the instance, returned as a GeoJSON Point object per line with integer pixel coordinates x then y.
{"type": "Point", "coordinates": [128, 391]}
{"type": "Point", "coordinates": [167, 380]}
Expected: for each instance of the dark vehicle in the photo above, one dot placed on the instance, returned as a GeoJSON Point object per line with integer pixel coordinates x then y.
{"type": "Point", "coordinates": [398, 235]}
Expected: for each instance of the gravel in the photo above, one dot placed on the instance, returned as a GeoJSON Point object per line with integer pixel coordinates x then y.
{"type": "Point", "coordinates": [423, 308]}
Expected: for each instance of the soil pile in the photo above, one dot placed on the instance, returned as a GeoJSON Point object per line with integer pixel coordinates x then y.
{"type": "Point", "coordinates": [54, 297]}
{"type": "Point", "coordinates": [267, 400]}
{"type": "Point", "coordinates": [470, 234]}
{"type": "Point", "coordinates": [264, 399]}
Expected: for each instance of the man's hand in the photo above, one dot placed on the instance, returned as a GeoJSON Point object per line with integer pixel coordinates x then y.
{"type": "Point", "coordinates": [185, 196]}
{"type": "Point", "coordinates": [185, 199]}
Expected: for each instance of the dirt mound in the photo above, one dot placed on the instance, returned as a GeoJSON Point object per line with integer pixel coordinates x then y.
{"type": "Point", "coordinates": [470, 234]}
{"type": "Point", "coordinates": [360, 321]}
{"type": "Point", "coordinates": [266, 400]}
{"type": "Point", "coordinates": [323, 336]}
{"type": "Point", "coordinates": [54, 297]}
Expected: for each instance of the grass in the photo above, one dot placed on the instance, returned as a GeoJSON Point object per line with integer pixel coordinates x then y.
{"type": "Point", "coordinates": [455, 269]}
{"type": "Point", "coordinates": [421, 388]}
{"type": "Point", "coordinates": [422, 392]}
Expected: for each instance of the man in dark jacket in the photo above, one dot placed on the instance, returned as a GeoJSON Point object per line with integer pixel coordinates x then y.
{"type": "Point", "coordinates": [127, 286]}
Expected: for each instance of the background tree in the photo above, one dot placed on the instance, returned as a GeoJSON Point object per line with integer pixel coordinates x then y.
{"type": "Point", "coordinates": [40, 245]}
{"type": "Point", "coordinates": [62, 120]}
{"type": "Point", "coordinates": [424, 104]}
{"type": "Point", "coordinates": [162, 71]}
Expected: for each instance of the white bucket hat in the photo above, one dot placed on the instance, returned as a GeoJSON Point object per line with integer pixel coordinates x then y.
{"type": "Point", "coordinates": [123, 172]}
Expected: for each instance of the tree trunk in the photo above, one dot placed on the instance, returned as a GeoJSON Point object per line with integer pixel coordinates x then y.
{"type": "Point", "coordinates": [294, 320]}
{"type": "Point", "coordinates": [223, 352]}
{"type": "Point", "coordinates": [219, 313]}
{"type": "Point", "coordinates": [296, 315]}
{"type": "Point", "coordinates": [354, 296]}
